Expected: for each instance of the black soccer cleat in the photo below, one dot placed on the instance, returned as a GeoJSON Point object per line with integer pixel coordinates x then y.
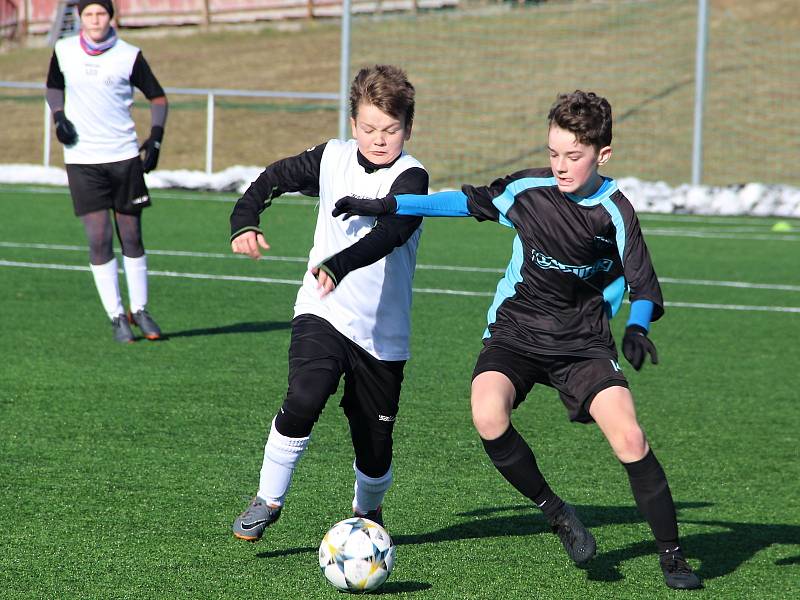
{"type": "Point", "coordinates": [373, 515]}
{"type": "Point", "coordinates": [576, 539]}
{"type": "Point", "coordinates": [677, 573]}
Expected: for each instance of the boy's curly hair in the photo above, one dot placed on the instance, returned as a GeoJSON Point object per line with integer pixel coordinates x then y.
{"type": "Point", "coordinates": [585, 114]}
{"type": "Point", "coordinates": [386, 87]}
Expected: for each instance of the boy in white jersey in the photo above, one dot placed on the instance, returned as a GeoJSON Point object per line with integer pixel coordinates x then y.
{"type": "Point", "coordinates": [361, 329]}
{"type": "Point", "coordinates": [90, 93]}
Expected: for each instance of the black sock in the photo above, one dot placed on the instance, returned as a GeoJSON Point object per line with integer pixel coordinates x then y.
{"type": "Point", "coordinates": [514, 459]}
{"type": "Point", "coordinates": [654, 500]}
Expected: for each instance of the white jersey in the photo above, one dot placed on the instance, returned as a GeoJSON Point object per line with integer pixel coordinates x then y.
{"type": "Point", "coordinates": [372, 305]}
{"type": "Point", "coordinates": [98, 99]}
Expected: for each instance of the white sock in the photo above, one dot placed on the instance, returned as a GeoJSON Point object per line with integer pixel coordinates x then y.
{"type": "Point", "coordinates": [280, 459]}
{"type": "Point", "coordinates": [369, 491]}
{"type": "Point", "coordinates": [107, 284]}
{"type": "Point", "coordinates": [136, 276]}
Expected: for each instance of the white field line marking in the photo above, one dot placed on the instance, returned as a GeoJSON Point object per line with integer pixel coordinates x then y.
{"type": "Point", "coordinates": [699, 233]}
{"type": "Point", "coordinates": [715, 220]}
{"type": "Point", "coordinates": [208, 276]}
{"type": "Point", "coordinates": [298, 259]}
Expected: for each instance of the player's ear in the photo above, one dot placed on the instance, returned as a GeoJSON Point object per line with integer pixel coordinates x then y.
{"type": "Point", "coordinates": [407, 135]}
{"type": "Point", "coordinates": [353, 126]}
{"type": "Point", "coordinates": [603, 156]}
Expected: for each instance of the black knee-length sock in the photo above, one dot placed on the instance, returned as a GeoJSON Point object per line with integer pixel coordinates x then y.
{"type": "Point", "coordinates": [515, 460]}
{"type": "Point", "coordinates": [654, 500]}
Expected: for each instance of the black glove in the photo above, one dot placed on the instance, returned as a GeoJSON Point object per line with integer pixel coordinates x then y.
{"type": "Point", "coordinates": [65, 130]}
{"type": "Point", "coordinates": [151, 148]}
{"type": "Point", "coordinates": [636, 345]}
{"type": "Point", "coordinates": [351, 206]}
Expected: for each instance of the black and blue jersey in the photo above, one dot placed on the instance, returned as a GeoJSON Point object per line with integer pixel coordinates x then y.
{"type": "Point", "coordinates": [572, 261]}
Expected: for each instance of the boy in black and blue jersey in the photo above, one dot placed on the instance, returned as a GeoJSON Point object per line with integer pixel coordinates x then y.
{"type": "Point", "coordinates": [578, 248]}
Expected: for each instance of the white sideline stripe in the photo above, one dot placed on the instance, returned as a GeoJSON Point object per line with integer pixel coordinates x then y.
{"type": "Point", "coordinates": [700, 233]}
{"type": "Point", "coordinates": [208, 276]}
{"type": "Point", "coordinates": [713, 219]}
{"type": "Point", "coordinates": [298, 259]}
{"type": "Point", "coordinates": [787, 309]}
{"type": "Point", "coordinates": [734, 284]}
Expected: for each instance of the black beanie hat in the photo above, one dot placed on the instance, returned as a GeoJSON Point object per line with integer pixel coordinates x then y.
{"type": "Point", "coordinates": [104, 3]}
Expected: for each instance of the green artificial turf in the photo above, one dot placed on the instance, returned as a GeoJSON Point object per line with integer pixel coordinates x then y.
{"type": "Point", "coordinates": [123, 466]}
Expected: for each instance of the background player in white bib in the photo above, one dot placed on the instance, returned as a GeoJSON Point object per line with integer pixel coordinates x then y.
{"type": "Point", "coordinates": [578, 247]}
{"type": "Point", "coordinates": [90, 92]}
{"type": "Point", "coordinates": [359, 330]}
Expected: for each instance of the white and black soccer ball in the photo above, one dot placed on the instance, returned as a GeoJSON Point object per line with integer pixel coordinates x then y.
{"type": "Point", "coordinates": [357, 555]}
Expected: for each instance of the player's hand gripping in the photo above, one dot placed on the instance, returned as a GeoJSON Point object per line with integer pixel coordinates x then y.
{"type": "Point", "coordinates": [248, 243]}
{"type": "Point", "coordinates": [151, 148]}
{"type": "Point", "coordinates": [636, 346]}
{"type": "Point", "coordinates": [65, 130]}
{"type": "Point", "coordinates": [351, 206]}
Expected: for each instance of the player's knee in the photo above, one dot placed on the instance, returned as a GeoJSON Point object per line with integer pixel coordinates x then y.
{"type": "Point", "coordinates": [132, 247]}
{"type": "Point", "coordinates": [490, 421]}
{"type": "Point", "coordinates": [100, 251]}
{"type": "Point", "coordinates": [294, 425]}
{"type": "Point", "coordinates": [303, 405]}
{"type": "Point", "coordinates": [630, 444]}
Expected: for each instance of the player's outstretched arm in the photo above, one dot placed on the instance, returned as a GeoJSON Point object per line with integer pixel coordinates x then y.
{"type": "Point", "coordinates": [440, 204]}
{"type": "Point", "coordinates": [635, 344]}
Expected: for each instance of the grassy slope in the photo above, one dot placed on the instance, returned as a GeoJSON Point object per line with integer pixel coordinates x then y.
{"type": "Point", "coordinates": [482, 101]}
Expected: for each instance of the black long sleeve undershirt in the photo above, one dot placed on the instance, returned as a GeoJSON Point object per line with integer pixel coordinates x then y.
{"type": "Point", "coordinates": [293, 174]}
{"type": "Point", "coordinates": [301, 173]}
{"type": "Point", "coordinates": [390, 231]}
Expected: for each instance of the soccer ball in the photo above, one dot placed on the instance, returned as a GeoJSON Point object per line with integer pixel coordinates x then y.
{"type": "Point", "coordinates": [356, 555]}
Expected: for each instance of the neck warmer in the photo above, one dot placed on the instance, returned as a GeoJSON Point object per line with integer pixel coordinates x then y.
{"type": "Point", "coordinates": [95, 48]}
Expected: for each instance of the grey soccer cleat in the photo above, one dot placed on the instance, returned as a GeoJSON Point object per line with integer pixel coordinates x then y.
{"type": "Point", "coordinates": [259, 515]}
{"type": "Point", "coordinates": [122, 329]}
{"type": "Point", "coordinates": [576, 539]}
{"type": "Point", "coordinates": [143, 320]}
{"type": "Point", "coordinates": [677, 573]}
{"type": "Point", "coordinates": [373, 515]}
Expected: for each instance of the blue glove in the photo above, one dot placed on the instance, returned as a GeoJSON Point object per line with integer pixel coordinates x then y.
{"type": "Point", "coordinates": [636, 346]}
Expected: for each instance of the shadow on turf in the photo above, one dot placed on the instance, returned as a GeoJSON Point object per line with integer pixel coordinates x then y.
{"type": "Point", "coordinates": [719, 552]}
{"type": "Point", "coordinates": [252, 327]}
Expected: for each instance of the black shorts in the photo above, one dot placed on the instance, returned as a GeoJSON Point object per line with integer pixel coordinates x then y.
{"type": "Point", "coordinates": [577, 379]}
{"type": "Point", "coordinates": [117, 185]}
{"type": "Point", "coordinates": [318, 357]}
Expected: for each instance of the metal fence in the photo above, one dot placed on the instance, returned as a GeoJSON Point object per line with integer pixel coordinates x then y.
{"type": "Point", "coordinates": [210, 95]}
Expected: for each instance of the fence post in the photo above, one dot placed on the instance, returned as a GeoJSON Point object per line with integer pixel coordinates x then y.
{"type": "Point", "coordinates": [46, 158]}
{"type": "Point", "coordinates": [344, 70]}
{"type": "Point", "coordinates": [699, 91]}
{"type": "Point", "coordinates": [209, 132]}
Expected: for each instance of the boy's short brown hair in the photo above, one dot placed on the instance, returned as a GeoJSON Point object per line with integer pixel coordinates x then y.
{"type": "Point", "coordinates": [585, 114]}
{"type": "Point", "coordinates": [386, 87]}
